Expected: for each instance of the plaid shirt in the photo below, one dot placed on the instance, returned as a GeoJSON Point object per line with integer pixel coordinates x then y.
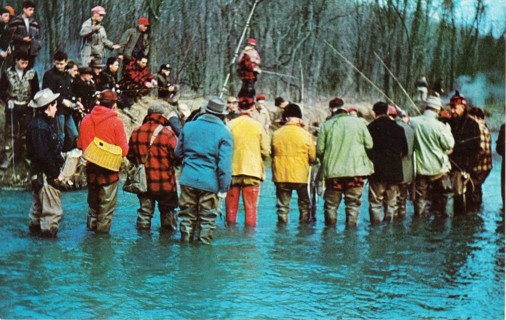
{"type": "Point", "coordinates": [134, 79]}
{"type": "Point", "coordinates": [161, 161]}
{"type": "Point", "coordinates": [246, 67]}
{"type": "Point", "coordinates": [485, 157]}
{"type": "Point", "coordinates": [99, 176]}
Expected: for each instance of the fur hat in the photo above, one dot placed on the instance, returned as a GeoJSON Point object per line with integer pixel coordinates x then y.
{"type": "Point", "coordinates": [292, 111]}
{"type": "Point", "coordinates": [43, 98]}
{"type": "Point", "coordinates": [433, 103]}
{"type": "Point", "coordinates": [216, 105]}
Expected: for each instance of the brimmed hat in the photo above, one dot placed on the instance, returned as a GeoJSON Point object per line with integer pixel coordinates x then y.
{"type": "Point", "coordinates": [98, 9]}
{"type": "Point", "coordinates": [143, 21]}
{"type": "Point", "coordinates": [85, 70]}
{"type": "Point", "coordinates": [108, 95]}
{"type": "Point", "coordinates": [96, 63]}
{"type": "Point", "coordinates": [216, 105]}
{"type": "Point", "coordinates": [433, 103]}
{"type": "Point", "coordinates": [43, 98]}
{"type": "Point", "coordinates": [292, 111]}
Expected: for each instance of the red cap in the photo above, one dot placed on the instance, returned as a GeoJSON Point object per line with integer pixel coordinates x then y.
{"type": "Point", "coordinates": [392, 111]}
{"type": "Point", "coordinates": [108, 95]}
{"type": "Point", "coordinates": [260, 96]}
{"type": "Point", "coordinates": [252, 41]}
{"type": "Point", "coordinates": [98, 9]}
{"type": "Point", "coordinates": [143, 21]}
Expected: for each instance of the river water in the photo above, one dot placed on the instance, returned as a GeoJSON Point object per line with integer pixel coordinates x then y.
{"type": "Point", "coordinates": [417, 268]}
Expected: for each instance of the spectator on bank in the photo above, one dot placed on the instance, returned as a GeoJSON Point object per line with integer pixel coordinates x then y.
{"type": "Point", "coordinates": [25, 32]}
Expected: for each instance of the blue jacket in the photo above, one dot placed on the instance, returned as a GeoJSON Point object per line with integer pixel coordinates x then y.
{"type": "Point", "coordinates": [205, 148]}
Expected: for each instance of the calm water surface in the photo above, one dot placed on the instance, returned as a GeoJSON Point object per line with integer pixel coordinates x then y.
{"type": "Point", "coordinates": [443, 269]}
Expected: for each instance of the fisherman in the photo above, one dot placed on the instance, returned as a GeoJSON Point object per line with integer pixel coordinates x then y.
{"type": "Point", "coordinates": [103, 123]}
{"type": "Point", "coordinates": [206, 172]}
{"type": "Point", "coordinates": [166, 89]}
{"type": "Point", "coordinates": [26, 32]}
{"type": "Point", "coordinates": [44, 151]}
{"type": "Point", "coordinates": [96, 66]}
{"type": "Point", "coordinates": [18, 85]}
{"type": "Point", "coordinates": [108, 78]}
{"type": "Point", "coordinates": [251, 148]}
{"type": "Point", "coordinates": [390, 146]}
{"type": "Point", "coordinates": [433, 142]}
{"type": "Point", "coordinates": [342, 148]}
{"type": "Point", "coordinates": [482, 169]}
{"type": "Point", "coordinates": [464, 158]}
{"type": "Point", "coordinates": [261, 114]}
{"type": "Point", "coordinates": [422, 89]}
{"type": "Point", "coordinates": [280, 103]}
{"type": "Point", "coordinates": [137, 81]}
{"type": "Point", "coordinates": [159, 161]}
{"type": "Point", "coordinates": [83, 89]}
{"type": "Point", "coordinates": [293, 151]}
{"type": "Point", "coordinates": [232, 105]}
{"type": "Point", "coordinates": [177, 118]}
{"type": "Point", "coordinates": [402, 120]}
{"type": "Point", "coordinates": [249, 68]}
{"type": "Point", "coordinates": [94, 37]}
{"type": "Point", "coordinates": [135, 42]}
{"type": "Point", "coordinates": [59, 81]}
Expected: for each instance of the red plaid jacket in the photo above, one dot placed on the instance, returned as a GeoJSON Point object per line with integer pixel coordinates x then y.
{"type": "Point", "coordinates": [161, 161]}
{"type": "Point", "coordinates": [134, 79]}
{"type": "Point", "coordinates": [246, 67]}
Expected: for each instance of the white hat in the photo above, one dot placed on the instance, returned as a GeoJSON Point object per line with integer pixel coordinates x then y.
{"type": "Point", "coordinates": [433, 103]}
{"type": "Point", "coordinates": [43, 98]}
{"type": "Point", "coordinates": [183, 108]}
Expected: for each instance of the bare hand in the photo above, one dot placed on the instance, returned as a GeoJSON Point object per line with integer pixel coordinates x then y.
{"type": "Point", "coordinates": [67, 103]}
{"type": "Point", "coordinates": [4, 54]}
{"type": "Point", "coordinates": [27, 39]}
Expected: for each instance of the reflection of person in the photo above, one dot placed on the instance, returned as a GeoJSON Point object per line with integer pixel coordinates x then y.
{"type": "Point", "coordinates": [44, 151]}
{"type": "Point", "coordinates": [206, 172]}
{"type": "Point", "coordinates": [103, 123]}
{"type": "Point", "coordinates": [293, 151]}
{"type": "Point", "coordinates": [159, 161]}
{"type": "Point", "coordinates": [499, 147]}
{"type": "Point", "coordinates": [94, 37]}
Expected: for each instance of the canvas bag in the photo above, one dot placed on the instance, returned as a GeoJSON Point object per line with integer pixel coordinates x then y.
{"type": "Point", "coordinates": [136, 181]}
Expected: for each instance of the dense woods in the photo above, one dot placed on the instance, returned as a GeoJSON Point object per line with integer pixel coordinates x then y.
{"type": "Point", "coordinates": [413, 37]}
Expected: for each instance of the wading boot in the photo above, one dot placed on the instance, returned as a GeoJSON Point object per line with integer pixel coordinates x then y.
{"type": "Point", "coordinates": [232, 204]}
{"type": "Point", "coordinates": [250, 198]}
{"type": "Point", "coordinates": [168, 221]}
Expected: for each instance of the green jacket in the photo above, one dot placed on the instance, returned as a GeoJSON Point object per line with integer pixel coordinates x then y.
{"type": "Point", "coordinates": [433, 140]}
{"type": "Point", "coordinates": [129, 40]}
{"type": "Point", "coordinates": [342, 147]}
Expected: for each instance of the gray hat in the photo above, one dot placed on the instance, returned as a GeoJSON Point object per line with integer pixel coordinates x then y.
{"type": "Point", "coordinates": [96, 63]}
{"type": "Point", "coordinates": [433, 103]}
{"type": "Point", "coordinates": [43, 98]}
{"type": "Point", "coordinates": [216, 105]}
{"type": "Point", "coordinates": [160, 107]}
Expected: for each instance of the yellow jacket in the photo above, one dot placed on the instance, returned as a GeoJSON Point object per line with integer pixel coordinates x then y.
{"type": "Point", "coordinates": [293, 150]}
{"type": "Point", "coordinates": [251, 147]}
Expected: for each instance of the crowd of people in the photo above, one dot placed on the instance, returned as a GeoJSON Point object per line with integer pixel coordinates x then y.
{"type": "Point", "coordinates": [222, 147]}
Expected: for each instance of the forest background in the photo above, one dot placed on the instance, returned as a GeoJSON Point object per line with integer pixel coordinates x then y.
{"type": "Point", "coordinates": [414, 38]}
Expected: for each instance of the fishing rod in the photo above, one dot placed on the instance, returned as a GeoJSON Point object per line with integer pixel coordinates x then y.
{"type": "Point", "coordinates": [236, 54]}
{"type": "Point", "coordinates": [360, 72]}
{"type": "Point", "coordinates": [398, 82]}
{"type": "Point", "coordinates": [278, 74]}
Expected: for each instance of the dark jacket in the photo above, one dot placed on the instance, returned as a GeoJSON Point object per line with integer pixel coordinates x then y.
{"type": "Point", "coordinates": [160, 173]}
{"type": "Point", "coordinates": [107, 80]}
{"type": "Point", "coordinates": [5, 37]}
{"type": "Point", "coordinates": [43, 147]}
{"type": "Point", "coordinates": [389, 146]}
{"type": "Point", "coordinates": [18, 28]}
{"type": "Point", "coordinates": [84, 91]}
{"type": "Point", "coordinates": [466, 133]}
{"type": "Point", "coordinates": [59, 82]}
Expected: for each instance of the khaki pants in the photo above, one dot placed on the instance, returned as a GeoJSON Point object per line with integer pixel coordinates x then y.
{"type": "Point", "coordinates": [284, 196]}
{"type": "Point", "coordinates": [382, 194]}
{"type": "Point", "coordinates": [46, 211]}
{"type": "Point", "coordinates": [101, 202]}
{"type": "Point", "coordinates": [198, 211]}
{"type": "Point", "coordinates": [352, 201]}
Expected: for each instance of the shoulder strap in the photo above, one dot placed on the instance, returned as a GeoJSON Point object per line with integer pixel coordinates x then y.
{"type": "Point", "coordinates": [153, 137]}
